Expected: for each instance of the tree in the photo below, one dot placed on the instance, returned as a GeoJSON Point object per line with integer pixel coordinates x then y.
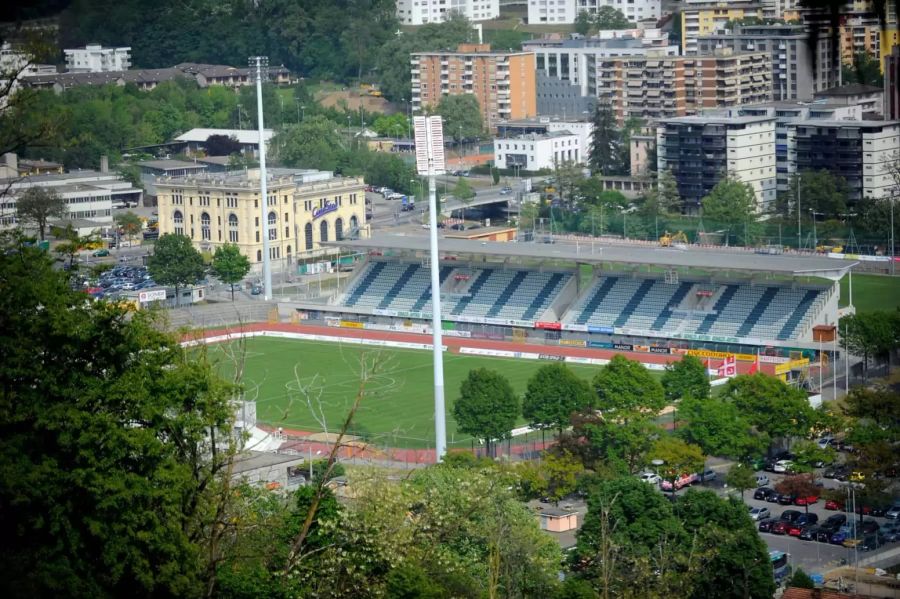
{"type": "Point", "coordinates": [821, 192]}
{"type": "Point", "coordinates": [625, 389]}
{"type": "Point", "coordinates": [71, 244]}
{"type": "Point", "coordinates": [175, 262]}
{"type": "Point", "coordinates": [554, 392]}
{"type": "Point", "coordinates": [730, 201]}
{"type": "Point", "coordinates": [561, 472]}
{"type": "Point", "coordinates": [608, 445]}
{"type": "Point", "coordinates": [583, 23]}
{"type": "Point", "coordinates": [461, 116]}
{"type": "Point", "coordinates": [314, 143]}
{"type": "Point", "coordinates": [865, 70]}
{"type": "Point", "coordinates": [771, 405]}
{"type": "Point", "coordinates": [801, 580]}
{"type": "Point", "coordinates": [463, 192]}
{"type": "Point", "coordinates": [111, 433]}
{"type": "Point", "coordinates": [719, 427]}
{"type": "Point", "coordinates": [800, 485]}
{"type": "Point", "coordinates": [229, 265]}
{"type": "Point", "coordinates": [869, 334]}
{"type": "Point", "coordinates": [608, 17]}
{"type": "Point", "coordinates": [604, 140]}
{"type": "Point", "coordinates": [741, 477]}
{"type": "Point", "coordinates": [665, 198]}
{"type": "Point", "coordinates": [130, 223]}
{"type": "Point", "coordinates": [37, 205]}
{"type": "Point", "coordinates": [487, 407]}
{"type": "Point", "coordinates": [495, 175]}
{"type": "Point", "coordinates": [686, 378]}
{"type": "Point", "coordinates": [222, 145]}
{"type": "Point", "coordinates": [679, 458]}
{"type": "Point", "coordinates": [395, 125]}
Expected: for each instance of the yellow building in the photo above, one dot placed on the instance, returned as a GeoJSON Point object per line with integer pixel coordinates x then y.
{"type": "Point", "coordinates": [303, 209]}
{"type": "Point", "coordinates": [890, 37]}
{"type": "Point", "coordinates": [703, 19]}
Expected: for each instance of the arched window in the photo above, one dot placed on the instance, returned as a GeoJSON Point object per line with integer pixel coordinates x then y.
{"type": "Point", "coordinates": [323, 232]}
{"type": "Point", "coordinates": [179, 222]}
{"type": "Point", "coordinates": [233, 228]}
{"type": "Point", "coordinates": [339, 229]}
{"type": "Point", "coordinates": [204, 227]}
{"type": "Point", "coordinates": [307, 231]}
{"type": "Point", "coordinates": [273, 226]}
{"type": "Point", "coordinates": [353, 222]}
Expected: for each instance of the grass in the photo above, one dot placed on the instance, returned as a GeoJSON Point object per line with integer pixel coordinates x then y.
{"type": "Point", "coordinates": [871, 292]}
{"type": "Point", "coordinates": [398, 409]}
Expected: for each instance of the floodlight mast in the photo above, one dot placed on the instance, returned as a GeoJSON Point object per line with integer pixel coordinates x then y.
{"type": "Point", "coordinates": [430, 163]}
{"type": "Point", "coordinates": [261, 63]}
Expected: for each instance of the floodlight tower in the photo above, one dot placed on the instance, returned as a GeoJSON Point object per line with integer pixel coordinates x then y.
{"type": "Point", "coordinates": [259, 67]}
{"type": "Point", "coordinates": [430, 163]}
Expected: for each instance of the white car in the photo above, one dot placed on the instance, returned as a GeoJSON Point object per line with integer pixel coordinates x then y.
{"type": "Point", "coordinates": [825, 442]}
{"type": "Point", "coordinates": [762, 480]}
{"type": "Point", "coordinates": [760, 513]}
{"type": "Point", "coordinates": [783, 466]}
{"type": "Point", "coordinates": [650, 477]}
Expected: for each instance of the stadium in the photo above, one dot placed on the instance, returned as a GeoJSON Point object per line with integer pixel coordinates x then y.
{"type": "Point", "coordinates": [509, 305]}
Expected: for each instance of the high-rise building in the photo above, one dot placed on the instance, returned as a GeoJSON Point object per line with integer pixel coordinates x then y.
{"type": "Point", "coordinates": [700, 150]}
{"type": "Point", "coordinates": [565, 11]}
{"type": "Point", "coordinates": [704, 19]}
{"type": "Point", "coordinates": [503, 83]}
{"type": "Point", "coordinates": [798, 71]}
{"type": "Point", "coordinates": [94, 58]}
{"type": "Point", "coordinates": [419, 12]}
{"type": "Point", "coordinates": [892, 85]}
{"type": "Point", "coordinates": [304, 209]}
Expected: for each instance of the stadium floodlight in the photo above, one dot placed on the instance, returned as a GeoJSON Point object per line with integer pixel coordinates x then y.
{"type": "Point", "coordinates": [430, 163]}
{"type": "Point", "coordinates": [258, 69]}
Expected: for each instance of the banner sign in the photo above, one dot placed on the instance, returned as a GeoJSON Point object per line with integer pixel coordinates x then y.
{"type": "Point", "coordinates": [642, 348]}
{"type": "Point", "coordinates": [573, 342]}
{"type": "Point", "coordinates": [552, 326]}
{"type": "Point", "coordinates": [325, 209]}
{"type": "Point", "coordinates": [720, 355]}
{"type": "Point", "coordinates": [152, 296]}
{"type": "Point", "coordinates": [581, 328]}
{"type": "Point", "coordinates": [551, 357]}
{"type": "Point", "coordinates": [603, 330]}
{"type": "Point", "coordinates": [600, 344]}
{"type": "Point", "coordinates": [623, 346]}
{"type": "Point", "coordinates": [659, 350]}
{"type": "Point", "coordinates": [350, 324]}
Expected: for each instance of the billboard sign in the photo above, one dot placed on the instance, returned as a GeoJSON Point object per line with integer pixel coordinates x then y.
{"type": "Point", "coordinates": [429, 145]}
{"type": "Point", "coordinates": [152, 296]}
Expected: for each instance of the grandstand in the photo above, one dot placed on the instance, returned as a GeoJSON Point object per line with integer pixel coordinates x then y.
{"type": "Point", "coordinates": [632, 294]}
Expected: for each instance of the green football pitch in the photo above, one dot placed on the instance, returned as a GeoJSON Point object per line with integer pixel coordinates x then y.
{"type": "Point", "coordinates": [294, 381]}
{"type": "Point", "coordinates": [872, 292]}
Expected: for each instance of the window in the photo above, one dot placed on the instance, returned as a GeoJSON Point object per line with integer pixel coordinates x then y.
{"type": "Point", "coordinates": [179, 222]}
{"type": "Point", "coordinates": [259, 255]}
{"type": "Point", "coordinates": [287, 232]}
{"type": "Point", "coordinates": [233, 228]}
{"type": "Point", "coordinates": [323, 232]}
{"type": "Point", "coordinates": [272, 226]}
{"type": "Point", "coordinates": [353, 223]}
{"type": "Point", "coordinates": [308, 233]}
{"type": "Point", "coordinates": [204, 227]}
{"type": "Point", "coordinates": [339, 229]}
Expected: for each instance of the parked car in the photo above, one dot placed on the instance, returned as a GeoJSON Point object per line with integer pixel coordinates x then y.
{"type": "Point", "coordinates": [506, 190]}
{"type": "Point", "coordinates": [840, 535]}
{"type": "Point", "coordinates": [786, 498]}
{"type": "Point", "coordinates": [256, 290]}
{"type": "Point", "coordinates": [766, 525]}
{"type": "Point", "coordinates": [809, 533]}
{"type": "Point", "coordinates": [760, 513]}
{"type": "Point", "coordinates": [762, 480]}
{"type": "Point", "coordinates": [783, 466]}
{"type": "Point", "coordinates": [806, 500]}
{"type": "Point", "coordinates": [871, 542]}
{"type": "Point", "coordinates": [825, 441]}
{"type": "Point", "coordinates": [824, 534]}
{"type": "Point", "coordinates": [893, 512]}
{"type": "Point", "coordinates": [780, 527]}
{"type": "Point", "coordinates": [650, 477]}
{"type": "Point", "coordinates": [807, 519]}
{"type": "Point", "coordinates": [868, 527]}
{"type": "Point", "coordinates": [100, 253]}
{"type": "Point", "coordinates": [708, 475]}
{"type": "Point", "coordinates": [790, 515]}
{"type": "Point", "coordinates": [763, 493]}
{"type": "Point", "coordinates": [836, 521]}
{"type": "Point", "coordinates": [890, 531]}
{"type": "Point", "coordinates": [834, 504]}
{"type": "Point", "coordinates": [794, 530]}
{"type": "Point", "coordinates": [833, 471]}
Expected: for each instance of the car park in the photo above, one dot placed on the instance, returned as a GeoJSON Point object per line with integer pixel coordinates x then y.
{"type": "Point", "coordinates": [760, 513]}
{"type": "Point", "coordinates": [763, 493]}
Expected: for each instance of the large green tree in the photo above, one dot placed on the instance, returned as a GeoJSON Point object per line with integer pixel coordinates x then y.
{"type": "Point", "coordinates": [553, 394]}
{"type": "Point", "coordinates": [461, 116]}
{"type": "Point", "coordinates": [37, 205]}
{"type": "Point", "coordinates": [626, 389]}
{"type": "Point", "coordinates": [317, 143]}
{"type": "Point", "coordinates": [686, 378]}
{"type": "Point", "coordinates": [605, 139]}
{"type": "Point", "coordinates": [821, 192]}
{"type": "Point", "coordinates": [608, 17]}
{"type": "Point", "coordinates": [678, 457]}
{"type": "Point", "coordinates": [229, 265]}
{"type": "Point", "coordinates": [719, 427]}
{"type": "Point", "coordinates": [112, 447]}
{"type": "Point", "coordinates": [771, 405]}
{"type": "Point", "coordinates": [175, 262]}
{"type": "Point", "coordinates": [730, 201]}
{"type": "Point", "coordinates": [870, 334]}
{"type": "Point", "coordinates": [487, 407]}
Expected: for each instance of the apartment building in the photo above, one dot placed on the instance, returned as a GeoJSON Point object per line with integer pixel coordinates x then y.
{"type": "Point", "coordinates": [794, 74]}
{"type": "Point", "coordinates": [420, 12]}
{"type": "Point", "coordinates": [860, 34]}
{"type": "Point", "coordinates": [94, 58]}
{"type": "Point", "coordinates": [659, 87]}
{"type": "Point", "coordinates": [704, 19]}
{"type": "Point", "coordinates": [304, 209]}
{"type": "Point", "coordinates": [565, 11]}
{"type": "Point", "coordinates": [892, 85]}
{"type": "Point", "coordinates": [700, 150]}
{"type": "Point", "coordinates": [858, 151]}
{"type": "Point", "coordinates": [503, 83]}
{"type": "Point", "coordinates": [869, 97]}
{"type": "Point", "coordinates": [582, 127]}
{"type": "Point", "coordinates": [537, 151]}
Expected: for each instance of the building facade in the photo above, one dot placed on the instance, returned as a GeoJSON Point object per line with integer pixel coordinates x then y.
{"type": "Point", "coordinates": [892, 85]}
{"type": "Point", "coordinates": [94, 58]}
{"type": "Point", "coordinates": [419, 12]}
{"type": "Point", "coordinates": [565, 11]}
{"type": "Point", "coordinates": [703, 19]}
{"type": "Point", "coordinates": [583, 128]}
{"type": "Point", "coordinates": [858, 151]}
{"type": "Point", "coordinates": [503, 83]}
{"type": "Point", "coordinates": [538, 151]}
{"type": "Point", "coordinates": [798, 71]}
{"type": "Point", "coordinates": [869, 97]}
{"type": "Point", "coordinates": [701, 150]}
{"type": "Point", "coordinates": [303, 210]}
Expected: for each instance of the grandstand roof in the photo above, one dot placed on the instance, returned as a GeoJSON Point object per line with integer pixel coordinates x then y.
{"type": "Point", "coordinates": [716, 259]}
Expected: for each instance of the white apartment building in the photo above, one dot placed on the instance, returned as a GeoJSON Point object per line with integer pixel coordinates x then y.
{"type": "Point", "coordinates": [534, 151]}
{"type": "Point", "coordinates": [419, 12]}
{"type": "Point", "coordinates": [94, 58]}
{"type": "Point", "coordinates": [565, 11]}
{"type": "Point", "coordinates": [699, 150]}
{"type": "Point", "coordinates": [583, 128]}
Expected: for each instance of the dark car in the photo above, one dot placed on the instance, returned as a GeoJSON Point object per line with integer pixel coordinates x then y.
{"type": "Point", "coordinates": [836, 520]}
{"type": "Point", "coordinates": [763, 493]}
{"type": "Point", "coordinates": [806, 519]}
{"type": "Point", "coordinates": [786, 498]}
{"type": "Point", "coordinates": [824, 534]}
{"type": "Point", "coordinates": [809, 533]}
{"type": "Point", "coordinates": [790, 515]}
{"type": "Point", "coordinates": [780, 527]}
{"type": "Point", "coordinates": [839, 536]}
{"type": "Point", "coordinates": [871, 542]}
{"type": "Point", "coordinates": [869, 527]}
{"type": "Point", "coordinates": [766, 525]}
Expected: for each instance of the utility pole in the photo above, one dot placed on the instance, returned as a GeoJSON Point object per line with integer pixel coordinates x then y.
{"type": "Point", "coordinates": [261, 63]}
{"type": "Point", "coordinates": [798, 213]}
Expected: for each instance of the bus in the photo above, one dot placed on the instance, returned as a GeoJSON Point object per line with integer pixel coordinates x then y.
{"type": "Point", "coordinates": [780, 567]}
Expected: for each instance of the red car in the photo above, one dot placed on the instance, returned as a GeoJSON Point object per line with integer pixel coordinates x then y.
{"type": "Point", "coordinates": [833, 504]}
{"type": "Point", "coordinates": [794, 530]}
{"type": "Point", "coordinates": [780, 527]}
{"type": "Point", "coordinates": [806, 500]}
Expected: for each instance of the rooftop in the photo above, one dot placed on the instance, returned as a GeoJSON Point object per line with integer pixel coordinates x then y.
{"type": "Point", "coordinates": [854, 89]}
{"type": "Point", "coordinates": [715, 259]}
{"type": "Point", "coordinates": [840, 123]}
{"type": "Point", "coordinates": [168, 164]}
{"type": "Point", "coordinates": [244, 136]}
{"type": "Point", "coordinates": [718, 120]}
{"type": "Point", "coordinates": [541, 136]}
